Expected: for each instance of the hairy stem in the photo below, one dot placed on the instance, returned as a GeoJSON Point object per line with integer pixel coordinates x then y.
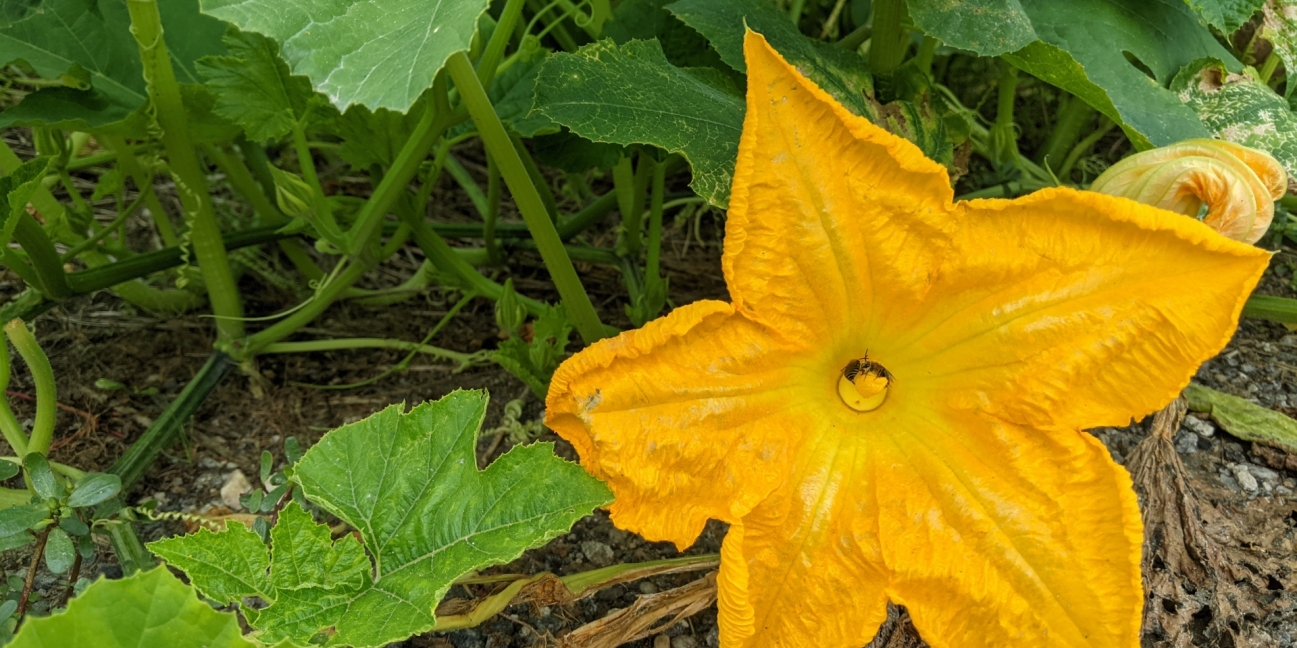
{"type": "Point", "coordinates": [205, 232]}
{"type": "Point", "coordinates": [512, 169]}
{"type": "Point", "coordinates": [43, 376]}
{"type": "Point", "coordinates": [888, 44]}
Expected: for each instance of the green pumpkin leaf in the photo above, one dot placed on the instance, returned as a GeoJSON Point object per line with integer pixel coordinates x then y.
{"type": "Point", "coordinates": [254, 88]}
{"type": "Point", "coordinates": [1082, 46]}
{"type": "Point", "coordinates": [1279, 26]}
{"type": "Point", "coordinates": [410, 484]}
{"type": "Point", "coordinates": [648, 19]}
{"type": "Point", "coordinates": [91, 39]}
{"type": "Point", "coordinates": [377, 54]}
{"type": "Point", "coordinates": [373, 137]}
{"type": "Point", "coordinates": [225, 566]}
{"type": "Point", "coordinates": [1241, 109]}
{"type": "Point", "coordinates": [1225, 15]}
{"type": "Point", "coordinates": [632, 95]}
{"type": "Point", "coordinates": [150, 609]}
{"type": "Point", "coordinates": [841, 73]}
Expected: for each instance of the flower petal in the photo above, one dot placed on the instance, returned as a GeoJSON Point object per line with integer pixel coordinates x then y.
{"type": "Point", "coordinates": [1000, 535]}
{"type": "Point", "coordinates": [805, 568]}
{"type": "Point", "coordinates": [686, 419]}
{"type": "Point", "coordinates": [831, 218]}
{"type": "Point", "coordinates": [1073, 309]}
{"type": "Point", "coordinates": [991, 534]}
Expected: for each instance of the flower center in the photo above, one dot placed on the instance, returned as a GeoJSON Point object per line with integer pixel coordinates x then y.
{"type": "Point", "coordinates": [863, 384]}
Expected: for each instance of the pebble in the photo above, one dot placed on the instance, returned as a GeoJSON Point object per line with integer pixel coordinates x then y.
{"type": "Point", "coordinates": [661, 641]}
{"type": "Point", "coordinates": [209, 463]}
{"type": "Point", "coordinates": [1199, 426]}
{"type": "Point", "coordinates": [1186, 443]}
{"type": "Point", "coordinates": [1283, 491]}
{"type": "Point", "coordinates": [236, 484]}
{"type": "Point", "coordinates": [1263, 473]}
{"type": "Point", "coordinates": [647, 587]}
{"type": "Point", "coordinates": [713, 637]}
{"type": "Point", "coordinates": [1244, 477]}
{"type": "Point", "coordinates": [598, 553]}
{"type": "Point", "coordinates": [684, 641]}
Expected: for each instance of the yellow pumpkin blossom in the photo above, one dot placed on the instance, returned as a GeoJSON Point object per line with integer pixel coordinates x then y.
{"type": "Point", "coordinates": [995, 330]}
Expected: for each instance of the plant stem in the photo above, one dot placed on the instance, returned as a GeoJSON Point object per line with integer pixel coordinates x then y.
{"type": "Point", "coordinates": [1084, 145]}
{"type": "Point", "coordinates": [652, 271]}
{"type": "Point", "coordinates": [45, 259]}
{"type": "Point", "coordinates": [108, 229]}
{"type": "Point", "coordinates": [582, 220]}
{"type": "Point", "coordinates": [72, 580]}
{"type": "Point", "coordinates": [37, 553]}
{"type": "Point", "coordinates": [191, 182]}
{"type": "Point", "coordinates": [888, 44]}
{"type": "Point", "coordinates": [623, 176]}
{"type": "Point", "coordinates": [137, 459]}
{"type": "Point", "coordinates": [307, 164]}
{"type": "Point", "coordinates": [856, 38]}
{"type": "Point", "coordinates": [538, 179]}
{"type": "Point", "coordinates": [43, 376]}
{"type": "Point", "coordinates": [342, 344]}
{"type": "Point", "coordinates": [240, 177]}
{"type": "Point", "coordinates": [499, 146]}
{"type": "Point", "coordinates": [323, 298]}
{"type": "Point", "coordinates": [1268, 68]}
{"type": "Point", "coordinates": [927, 50]}
{"type": "Point", "coordinates": [9, 425]}
{"type": "Point", "coordinates": [486, 66]}
{"type": "Point", "coordinates": [493, 191]}
{"type": "Point", "coordinates": [466, 182]}
{"type": "Point", "coordinates": [144, 184]}
{"type": "Point", "coordinates": [435, 120]}
{"type": "Point", "coordinates": [1072, 117]}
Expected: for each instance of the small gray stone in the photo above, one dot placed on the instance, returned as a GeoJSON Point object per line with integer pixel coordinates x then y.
{"type": "Point", "coordinates": [1282, 491]}
{"type": "Point", "coordinates": [661, 641]}
{"type": "Point", "coordinates": [713, 637]}
{"type": "Point", "coordinates": [1262, 473]}
{"type": "Point", "coordinates": [684, 641]}
{"type": "Point", "coordinates": [598, 553]}
{"type": "Point", "coordinates": [1244, 477]}
{"type": "Point", "coordinates": [1186, 444]}
{"type": "Point", "coordinates": [1199, 426]}
{"type": "Point", "coordinates": [647, 587]}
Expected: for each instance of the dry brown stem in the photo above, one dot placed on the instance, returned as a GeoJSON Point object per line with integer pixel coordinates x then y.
{"type": "Point", "coordinates": [648, 615]}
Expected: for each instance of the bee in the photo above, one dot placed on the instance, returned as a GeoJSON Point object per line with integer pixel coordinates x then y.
{"type": "Point", "coordinates": [867, 366]}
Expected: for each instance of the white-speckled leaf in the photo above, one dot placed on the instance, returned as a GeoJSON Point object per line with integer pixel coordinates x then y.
{"type": "Point", "coordinates": [1241, 109]}
{"type": "Point", "coordinates": [379, 54]}
{"type": "Point", "coordinates": [1280, 28]}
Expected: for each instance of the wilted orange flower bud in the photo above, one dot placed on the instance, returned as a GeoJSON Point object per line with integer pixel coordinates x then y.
{"type": "Point", "coordinates": [1237, 185]}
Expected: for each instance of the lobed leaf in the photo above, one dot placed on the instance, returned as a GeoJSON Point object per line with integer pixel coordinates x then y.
{"type": "Point", "coordinates": [426, 515]}
{"type": "Point", "coordinates": [151, 609]}
{"type": "Point", "coordinates": [632, 95]}
{"type": "Point", "coordinates": [1082, 46]}
{"type": "Point", "coordinates": [1225, 15]}
{"type": "Point", "coordinates": [1241, 109]}
{"type": "Point", "coordinates": [254, 87]}
{"type": "Point", "coordinates": [1279, 26]}
{"type": "Point", "coordinates": [91, 40]}
{"type": "Point", "coordinates": [841, 73]}
{"type": "Point", "coordinates": [377, 54]}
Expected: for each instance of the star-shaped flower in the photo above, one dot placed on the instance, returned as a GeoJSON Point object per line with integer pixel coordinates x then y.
{"type": "Point", "coordinates": [994, 330]}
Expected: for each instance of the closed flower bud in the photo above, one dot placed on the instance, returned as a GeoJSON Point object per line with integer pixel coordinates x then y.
{"type": "Point", "coordinates": [292, 194]}
{"type": "Point", "coordinates": [1234, 184]}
